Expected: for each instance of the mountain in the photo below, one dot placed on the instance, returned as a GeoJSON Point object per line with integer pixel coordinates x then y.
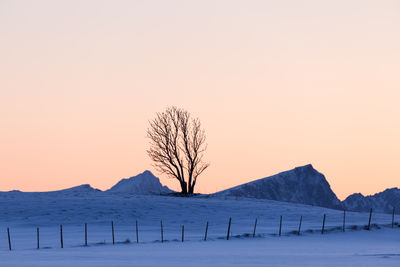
{"type": "Point", "coordinates": [80, 189]}
{"type": "Point", "coordinates": [381, 202]}
{"type": "Point", "coordinates": [303, 185]}
{"type": "Point", "coordinates": [141, 184]}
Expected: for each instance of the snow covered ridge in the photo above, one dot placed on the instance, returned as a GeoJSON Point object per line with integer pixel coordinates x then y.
{"type": "Point", "coordinates": [303, 185]}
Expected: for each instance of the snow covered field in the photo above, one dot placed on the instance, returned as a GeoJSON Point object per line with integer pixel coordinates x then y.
{"type": "Point", "coordinates": [23, 212]}
{"type": "Point", "coordinates": [376, 248]}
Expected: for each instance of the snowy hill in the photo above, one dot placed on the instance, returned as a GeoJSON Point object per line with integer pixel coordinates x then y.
{"type": "Point", "coordinates": [79, 190]}
{"type": "Point", "coordinates": [141, 184]}
{"type": "Point", "coordinates": [302, 185]}
{"type": "Point", "coordinates": [381, 202]}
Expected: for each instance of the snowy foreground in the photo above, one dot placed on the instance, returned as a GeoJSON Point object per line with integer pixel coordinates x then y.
{"type": "Point", "coordinates": [356, 247]}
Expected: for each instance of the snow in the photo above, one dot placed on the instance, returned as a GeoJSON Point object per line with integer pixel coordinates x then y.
{"type": "Point", "coordinates": [352, 249]}
{"type": "Point", "coordinates": [23, 212]}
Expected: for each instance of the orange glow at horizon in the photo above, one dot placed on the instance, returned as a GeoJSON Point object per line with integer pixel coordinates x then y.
{"type": "Point", "coordinates": [276, 84]}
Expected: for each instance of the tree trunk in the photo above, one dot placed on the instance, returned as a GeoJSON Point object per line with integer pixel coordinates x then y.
{"type": "Point", "coordinates": [191, 189]}
{"type": "Point", "coordinates": [184, 188]}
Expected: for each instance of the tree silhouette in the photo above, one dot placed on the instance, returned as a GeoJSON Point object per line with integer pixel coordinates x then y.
{"type": "Point", "coordinates": [177, 146]}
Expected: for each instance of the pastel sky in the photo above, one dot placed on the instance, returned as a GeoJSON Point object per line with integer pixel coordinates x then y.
{"type": "Point", "coordinates": [276, 84]}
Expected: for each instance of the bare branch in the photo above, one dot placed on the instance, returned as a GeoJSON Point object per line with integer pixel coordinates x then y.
{"type": "Point", "coordinates": [177, 145]}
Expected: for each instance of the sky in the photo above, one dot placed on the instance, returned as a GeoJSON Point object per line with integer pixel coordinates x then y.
{"type": "Point", "coordinates": [276, 84]}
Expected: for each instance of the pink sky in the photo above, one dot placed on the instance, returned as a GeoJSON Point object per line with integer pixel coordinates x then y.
{"type": "Point", "coordinates": [276, 84]}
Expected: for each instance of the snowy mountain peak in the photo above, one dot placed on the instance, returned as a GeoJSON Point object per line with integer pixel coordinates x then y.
{"type": "Point", "coordinates": [306, 169]}
{"type": "Point", "coordinates": [300, 185]}
{"type": "Point", "coordinates": [356, 196]}
{"type": "Point", "coordinates": [147, 172]}
{"type": "Point", "coordinates": [142, 184]}
{"type": "Point", "coordinates": [392, 190]}
{"type": "Point", "coordinates": [307, 166]}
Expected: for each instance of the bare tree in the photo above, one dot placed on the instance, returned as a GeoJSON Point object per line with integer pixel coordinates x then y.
{"type": "Point", "coordinates": [177, 146]}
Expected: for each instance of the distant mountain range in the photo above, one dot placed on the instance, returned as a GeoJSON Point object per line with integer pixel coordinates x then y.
{"type": "Point", "coordinates": [303, 185]}
{"type": "Point", "coordinates": [382, 202]}
{"type": "Point", "coordinates": [306, 185]}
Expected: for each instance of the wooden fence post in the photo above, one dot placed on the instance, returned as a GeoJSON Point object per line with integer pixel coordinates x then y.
{"type": "Point", "coordinates": [344, 220]}
{"type": "Point", "coordinates": [61, 237]}
{"type": "Point", "coordinates": [393, 218]}
{"type": "Point", "coordinates": [229, 228]}
{"type": "Point", "coordinates": [183, 233]}
{"type": "Point", "coordinates": [255, 226]}
{"type": "Point", "coordinates": [112, 232]}
{"type": "Point", "coordinates": [85, 234]}
{"type": "Point", "coordinates": [37, 237]}
{"type": "Point", "coordinates": [162, 232]}
{"type": "Point", "coordinates": [280, 226]}
{"type": "Point", "coordinates": [9, 238]}
{"type": "Point", "coordinates": [137, 232]}
{"type": "Point", "coordinates": [323, 225]}
{"type": "Point", "coordinates": [301, 219]}
{"type": "Point", "coordinates": [369, 220]}
{"type": "Point", "coordinates": [205, 234]}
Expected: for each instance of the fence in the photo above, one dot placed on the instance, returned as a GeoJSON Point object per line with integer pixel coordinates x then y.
{"type": "Point", "coordinates": [230, 222]}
